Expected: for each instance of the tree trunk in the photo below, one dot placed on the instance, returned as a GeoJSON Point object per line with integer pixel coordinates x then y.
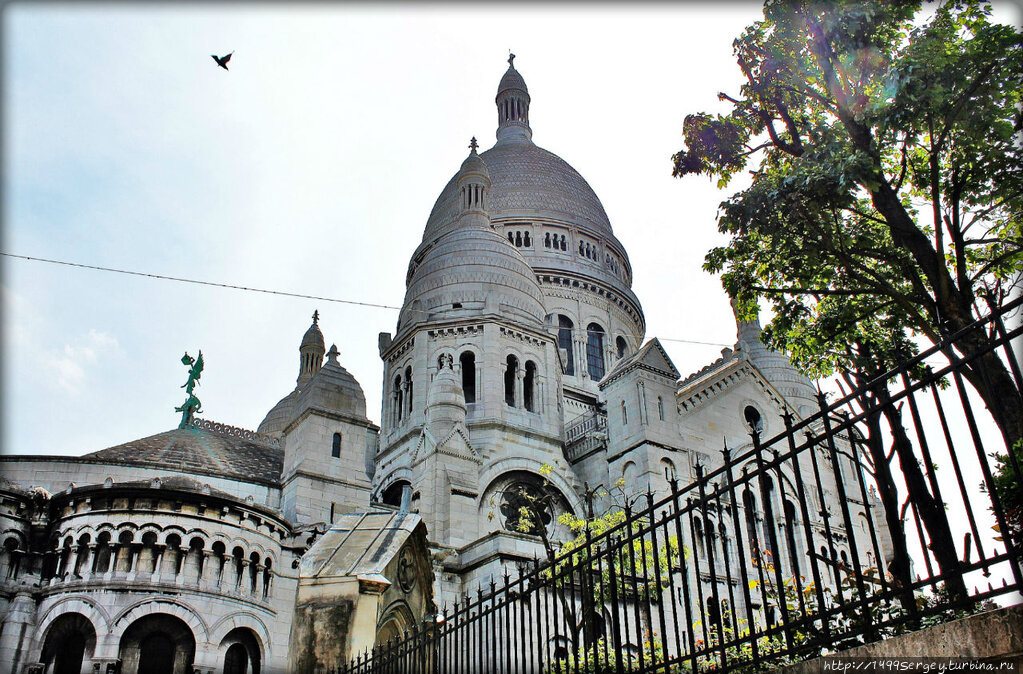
{"type": "Point", "coordinates": [930, 510]}
{"type": "Point", "coordinates": [887, 491]}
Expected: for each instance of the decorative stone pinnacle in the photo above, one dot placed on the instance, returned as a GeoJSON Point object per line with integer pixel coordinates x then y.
{"type": "Point", "coordinates": [473, 145]}
{"type": "Point", "coordinates": [511, 57]}
{"type": "Point", "coordinates": [316, 316]}
{"type": "Point", "coordinates": [333, 353]}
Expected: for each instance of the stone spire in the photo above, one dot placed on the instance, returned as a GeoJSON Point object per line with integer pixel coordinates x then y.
{"type": "Point", "coordinates": [310, 352]}
{"type": "Point", "coordinates": [513, 107]}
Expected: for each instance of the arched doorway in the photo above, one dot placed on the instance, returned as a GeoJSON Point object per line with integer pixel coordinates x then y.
{"type": "Point", "coordinates": [242, 654]}
{"type": "Point", "coordinates": [157, 644]}
{"type": "Point", "coordinates": [397, 619]}
{"type": "Point", "coordinates": [70, 640]}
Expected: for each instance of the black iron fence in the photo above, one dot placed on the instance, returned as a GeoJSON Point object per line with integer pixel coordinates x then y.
{"type": "Point", "coordinates": [888, 510]}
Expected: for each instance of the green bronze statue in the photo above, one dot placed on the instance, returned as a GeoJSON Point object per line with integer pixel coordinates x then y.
{"type": "Point", "coordinates": [192, 404]}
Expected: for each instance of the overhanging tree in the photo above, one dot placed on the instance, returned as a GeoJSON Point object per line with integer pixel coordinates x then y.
{"type": "Point", "coordinates": [887, 179]}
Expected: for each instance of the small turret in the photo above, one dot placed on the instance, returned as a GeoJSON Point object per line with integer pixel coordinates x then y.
{"type": "Point", "coordinates": [473, 184]}
{"type": "Point", "coordinates": [445, 403]}
{"type": "Point", "coordinates": [775, 366]}
{"type": "Point", "coordinates": [513, 107]}
{"type": "Point", "coordinates": [310, 352]}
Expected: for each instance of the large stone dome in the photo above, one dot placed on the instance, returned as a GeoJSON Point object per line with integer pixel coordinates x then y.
{"type": "Point", "coordinates": [467, 271]}
{"type": "Point", "coordinates": [527, 180]}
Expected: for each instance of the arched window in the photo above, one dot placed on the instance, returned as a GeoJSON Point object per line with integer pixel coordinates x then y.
{"type": "Point", "coordinates": [335, 446]}
{"type": "Point", "coordinates": [399, 401]}
{"type": "Point", "coordinates": [698, 535]}
{"type": "Point", "coordinates": [625, 414]}
{"type": "Point", "coordinates": [620, 345]}
{"type": "Point", "coordinates": [790, 536]}
{"type": "Point", "coordinates": [660, 408]}
{"type": "Point", "coordinates": [408, 387]}
{"type": "Point", "coordinates": [595, 351]}
{"type": "Point", "coordinates": [768, 486]}
{"type": "Point", "coordinates": [509, 380]}
{"type": "Point", "coordinates": [754, 421]}
{"type": "Point", "coordinates": [468, 363]}
{"type": "Point", "coordinates": [392, 495]}
{"type": "Point", "coordinates": [528, 383]}
{"type": "Point", "coordinates": [723, 533]}
{"type": "Point", "coordinates": [565, 342]}
{"type": "Point", "coordinates": [826, 558]}
{"type": "Point", "coordinates": [749, 505]}
{"type": "Point", "coordinates": [669, 469]}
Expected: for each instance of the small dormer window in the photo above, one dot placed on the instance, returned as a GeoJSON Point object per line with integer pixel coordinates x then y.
{"type": "Point", "coordinates": [335, 447]}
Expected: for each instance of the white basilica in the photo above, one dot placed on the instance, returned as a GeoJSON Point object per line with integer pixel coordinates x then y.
{"type": "Point", "coordinates": [519, 345]}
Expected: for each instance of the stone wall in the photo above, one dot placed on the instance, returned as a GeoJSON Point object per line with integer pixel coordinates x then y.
{"type": "Point", "coordinates": [985, 636]}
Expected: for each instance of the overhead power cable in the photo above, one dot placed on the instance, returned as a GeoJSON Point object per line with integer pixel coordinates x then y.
{"type": "Point", "coordinates": [693, 341]}
{"type": "Point", "coordinates": [202, 283]}
{"type": "Point", "coordinates": [259, 290]}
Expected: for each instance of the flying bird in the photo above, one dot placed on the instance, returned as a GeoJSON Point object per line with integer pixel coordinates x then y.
{"type": "Point", "coordinates": [222, 60]}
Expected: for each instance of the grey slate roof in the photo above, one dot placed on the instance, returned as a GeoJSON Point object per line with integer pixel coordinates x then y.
{"type": "Point", "coordinates": [359, 544]}
{"type": "Point", "coordinates": [526, 177]}
{"type": "Point", "coordinates": [202, 451]}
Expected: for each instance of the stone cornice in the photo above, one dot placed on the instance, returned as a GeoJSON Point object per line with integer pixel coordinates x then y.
{"type": "Point", "coordinates": [626, 301]}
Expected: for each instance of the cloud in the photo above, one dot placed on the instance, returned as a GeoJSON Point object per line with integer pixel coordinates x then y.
{"type": "Point", "coordinates": [71, 365]}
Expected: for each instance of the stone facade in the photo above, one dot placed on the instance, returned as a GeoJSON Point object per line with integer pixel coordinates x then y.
{"type": "Point", "coordinates": [519, 362]}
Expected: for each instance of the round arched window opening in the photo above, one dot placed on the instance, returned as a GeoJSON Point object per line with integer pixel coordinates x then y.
{"type": "Point", "coordinates": [524, 507]}
{"type": "Point", "coordinates": [754, 421]}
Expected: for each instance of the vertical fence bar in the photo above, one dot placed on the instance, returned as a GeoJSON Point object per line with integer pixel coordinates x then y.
{"type": "Point", "coordinates": [701, 485]}
{"type": "Point", "coordinates": [772, 536]}
{"type": "Point", "coordinates": [740, 552]}
{"type": "Point", "coordinates": [657, 585]}
{"type": "Point", "coordinates": [846, 517]}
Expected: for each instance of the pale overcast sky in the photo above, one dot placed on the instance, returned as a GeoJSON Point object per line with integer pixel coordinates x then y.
{"type": "Point", "coordinates": [310, 167]}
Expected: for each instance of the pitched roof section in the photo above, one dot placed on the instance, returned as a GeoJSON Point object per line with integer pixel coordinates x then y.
{"type": "Point", "coordinates": [205, 449]}
{"type": "Point", "coordinates": [359, 544]}
{"type": "Point", "coordinates": [651, 356]}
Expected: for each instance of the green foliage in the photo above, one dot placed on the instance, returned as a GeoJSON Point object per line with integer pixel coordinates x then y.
{"type": "Point", "coordinates": [887, 175]}
{"type": "Point", "coordinates": [629, 569]}
{"type": "Point", "coordinates": [1010, 493]}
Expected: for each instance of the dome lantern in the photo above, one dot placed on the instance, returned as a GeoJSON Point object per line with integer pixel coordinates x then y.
{"type": "Point", "coordinates": [473, 183]}
{"type": "Point", "coordinates": [311, 351]}
{"type": "Point", "coordinates": [513, 107]}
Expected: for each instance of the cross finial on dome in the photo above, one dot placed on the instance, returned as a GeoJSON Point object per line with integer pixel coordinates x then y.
{"type": "Point", "coordinates": [316, 316]}
{"type": "Point", "coordinates": [511, 57]}
{"type": "Point", "coordinates": [473, 145]}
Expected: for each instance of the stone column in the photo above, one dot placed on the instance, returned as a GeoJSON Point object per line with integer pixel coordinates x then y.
{"type": "Point", "coordinates": [243, 577]}
{"type": "Point", "coordinates": [168, 563]}
{"type": "Point", "coordinates": [190, 569]}
{"type": "Point", "coordinates": [581, 369]}
{"type": "Point", "coordinates": [520, 376]}
{"type": "Point", "coordinates": [159, 551]}
{"type": "Point", "coordinates": [90, 559]}
{"type": "Point", "coordinates": [111, 559]}
{"type": "Point", "coordinates": [68, 569]}
{"type": "Point", "coordinates": [209, 568]}
{"type": "Point", "coordinates": [15, 633]}
{"type": "Point", "coordinates": [539, 393]}
{"type": "Point", "coordinates": [230, 576]}
{"type": "Point", "coordinates": [257, 589]}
